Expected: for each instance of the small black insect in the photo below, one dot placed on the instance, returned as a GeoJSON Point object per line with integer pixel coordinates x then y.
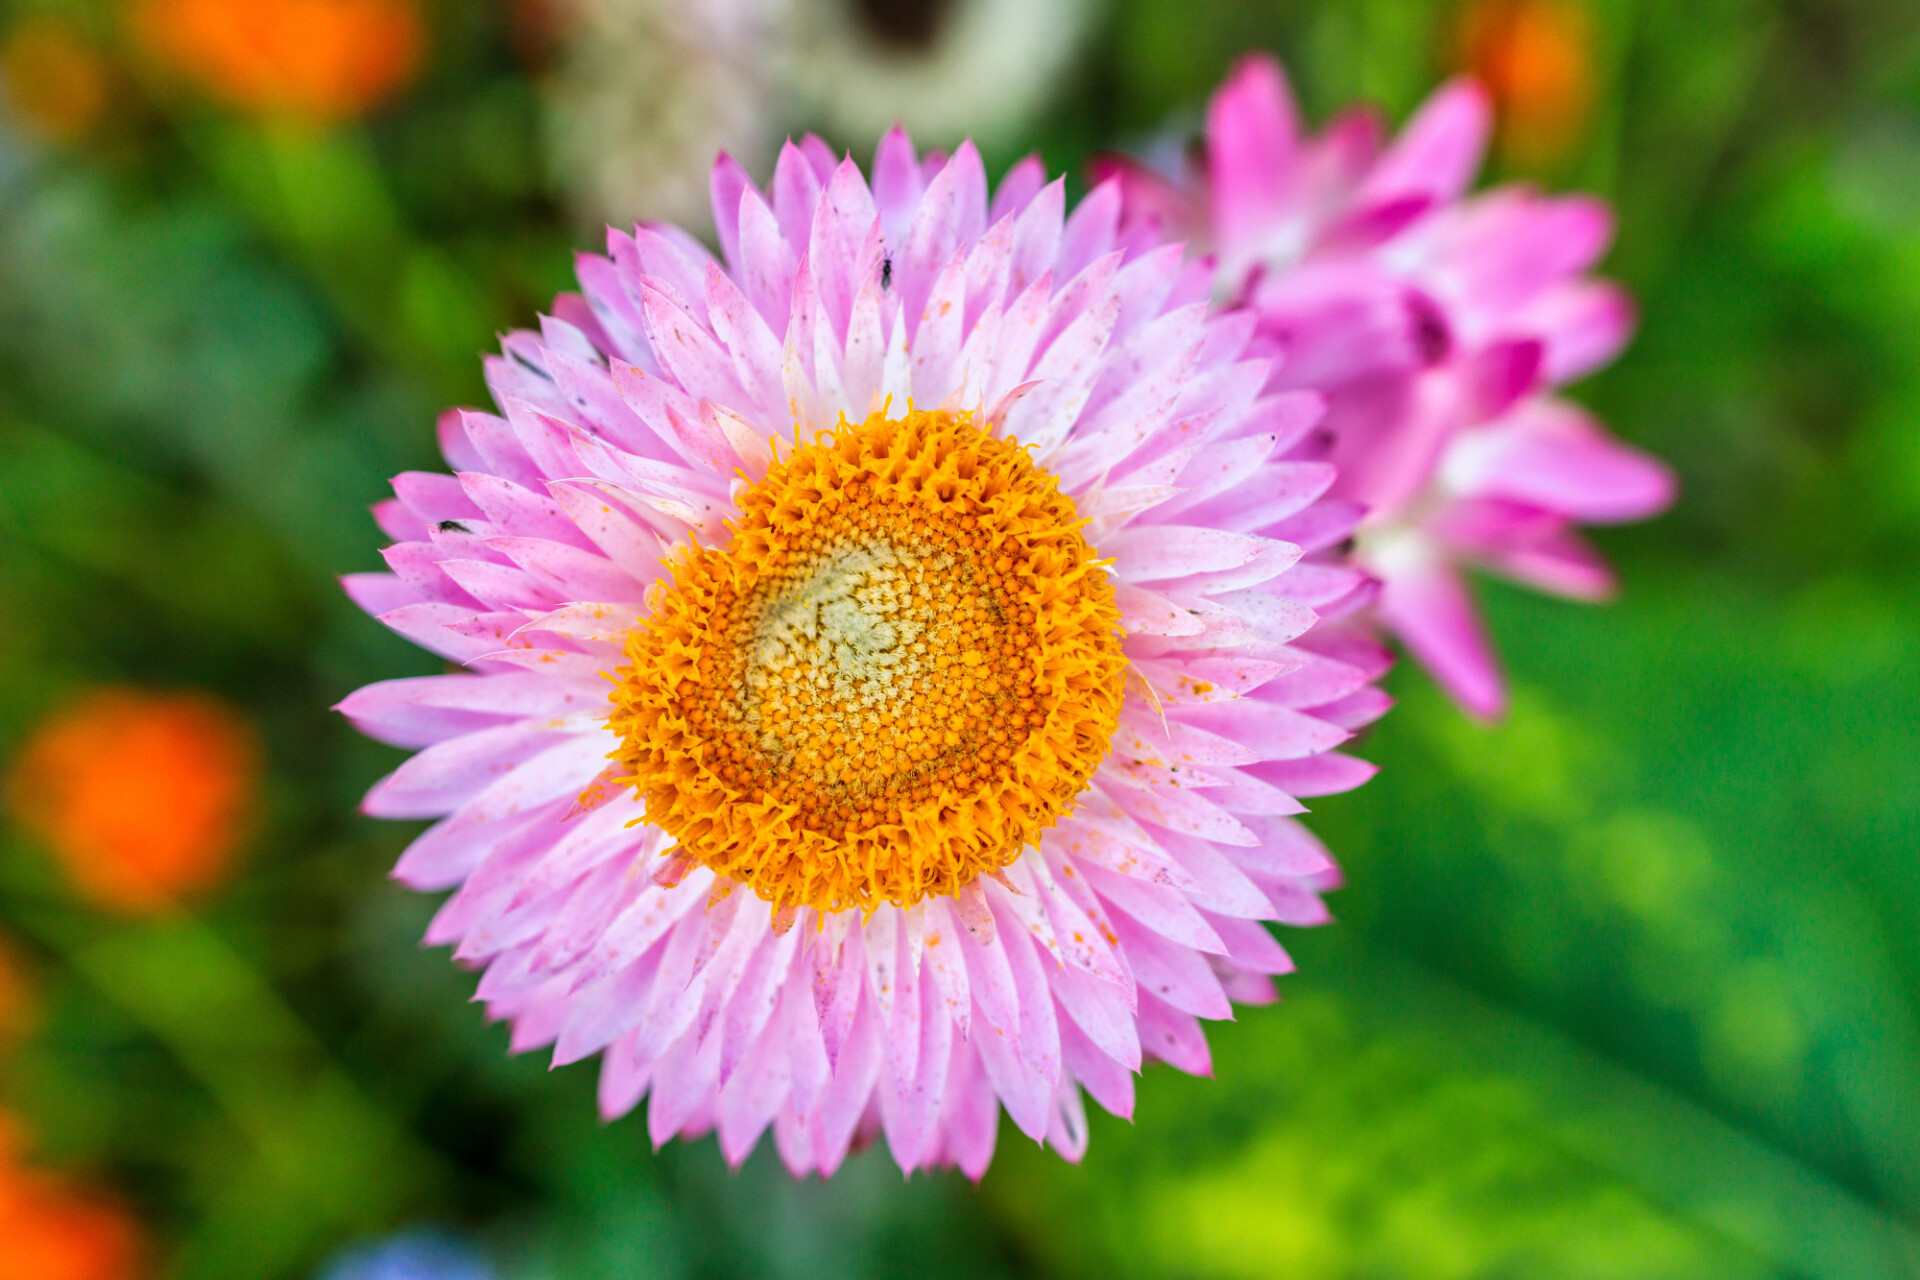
{"type": "Point", "coordinates": [452, 526]}
{"type": "Point", "coordinates": [886, 272]}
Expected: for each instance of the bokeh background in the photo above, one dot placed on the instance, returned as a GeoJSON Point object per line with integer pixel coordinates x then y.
{"type": "Point", "coordinates": [1627, 985]}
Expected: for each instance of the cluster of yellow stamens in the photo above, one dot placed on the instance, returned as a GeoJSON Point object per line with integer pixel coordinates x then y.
{"type": "Point", "coordinates": [903, 666]}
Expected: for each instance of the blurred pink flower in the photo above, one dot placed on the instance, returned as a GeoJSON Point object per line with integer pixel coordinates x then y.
{"type": "Point", "coordinates": [1437, 325]}
{"type": "Point", "coordinates": [864, 665]}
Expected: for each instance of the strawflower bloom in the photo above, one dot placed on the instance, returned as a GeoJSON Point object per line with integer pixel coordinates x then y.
{"type": "Point", "coordinates": [891, 669]}
{"type": "Point", "coordinates": [143, 797]}
{"type": "Point", "coordinates": [321, 60]}
{"type": "Point", "coordinates": [1438, 326]}
{"type": "Point", "coordinates": [50, 1232]}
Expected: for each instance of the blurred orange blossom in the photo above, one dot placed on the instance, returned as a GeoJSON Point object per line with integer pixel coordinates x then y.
{"type": "Point", "coordinates": [17, 1011]}
{"type": "Point", "coordinates": [1535, 58]}
{"type": "Point", "coordinates": [324, 60]}
{"type": "Point", "coordinates": [143, 797]}
{"type": "Point", "coordinates": [57, 81]}
{"type": "Point", "coordinates": [49, 1232]}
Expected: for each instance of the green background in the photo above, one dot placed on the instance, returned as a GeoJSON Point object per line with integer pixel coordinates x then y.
{"type": "Point", "coordinates": [1626, 986]}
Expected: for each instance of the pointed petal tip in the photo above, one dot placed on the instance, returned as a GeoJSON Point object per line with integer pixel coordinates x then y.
{"type": "Point", "coordinates": [1256, 70]}
{"type": "Point", "coordinates": [1485, 700]}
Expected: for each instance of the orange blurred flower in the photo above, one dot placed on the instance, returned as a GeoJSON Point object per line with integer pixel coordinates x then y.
{"type": "Point", "coordinates": [143, 797]}
{"type": "Point", "coordinates": [17, 1004]}
{"type": "Point", "coordinates": [534, 30]}
{"type": "Point", "coordinates": [49, 1232]}
{"type": "Point", "coordinates": [319, 59]}
{"type": "Point", "coordinates": [56, 80]}
{"type": "Point", "coordinates": [1536, 58]}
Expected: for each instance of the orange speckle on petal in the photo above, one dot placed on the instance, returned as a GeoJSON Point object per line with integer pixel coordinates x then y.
{"type": "Point", "coordinates": [142, 797]}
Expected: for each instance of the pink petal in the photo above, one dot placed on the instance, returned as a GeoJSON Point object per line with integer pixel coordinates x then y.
{"type": "Point", "coordinates": [896, 184]}
{"type": "Point", "coordinates": [1554, 455]}
{"type": "Point", "coordinates": [379, 593]}
{"type": "Point", "coordinates": [499, 448]}
{"type": "Point", "coordinates": [946, 967]}
{"type": "Point", "coordinates": [1147, 553]}
{"type": "Point", "coordinates": [972, 1112]}
{"type": "Point", "coordinates": [727, 182]}
{"type": "Point", "coordinates": [429, 625]}
{"type": "Point", "coordinates": [1036, 237]}
{"type": "Point", "coordinates": [605, 1010]}
{"type": "Point", "coordinates": [1153, 208]}
{"type": "Point", "coordinates": [1018, 188]}
{"type": "Point", "coordinates": [1172, 971]}
{"type": "Point", "coordinates": [749, 1100]}
{"type": "Point", "coordinates": [1039, 1030]}
{"type": "Point", "coordinates": [685, 1080]}
{"type": "Point", "coordinates": [441, 778]}
{"type": "Point", "coordinates": [1090, 231]}
{"type": "Point", "coordinates": [688, 352]}
{"type": "Point", "coordinates": [1067, 1127]}
{"type": "Point", "coordinates": [1252, 150]}
{"type": "Point", "coordinates": [1143, 612]}
{"type": "Point", "coordinates": [1110, 1083]}
{"type": "Point", "coordinates": [754, 347]}
{"type": "Point", "coordinates": [1102, 1011]}
{"type": "Point", "coordinates": [1321, 775]}
{"type": "Point", "coordinates": [1585, 324]}
{"type": "Point", "coordinates": [1174, 1037]}
{"type": "Point", "coordinates": [768, 263]}
{"type": "Point", "coordinates": [936, 234]}
{"type": "Point", "coordinates": [1026, 1094]}
{"type": "Point", "coordinates": [1166, 912]}
{"type": "Point", "coordinates": [996, 999]}
{"type": "Point", "coordinates": [1439, 151]}
{"type": "Point", "coordinates": [560, 770]}
{"type": "Point", "coordinates": [911, 1111]}
{"type": "Point", "coordinates": [1562, 564]}
{"type": "Point", "coordinates": [1175, 808]}
{"type": "Point", "coordinates": [1265, 726]}
{"type": "Point", "coordinates": [796, 191]}
{"type": "Point", "coordinates": [1251, 945]}
{"type": "Point", "coordinates": [623, 1080]}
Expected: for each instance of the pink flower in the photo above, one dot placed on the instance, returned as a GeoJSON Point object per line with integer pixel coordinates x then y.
{"type": "Point", "coordinates": [948, 772]}
{"type": "Point", "coordinates": [1437, 325]}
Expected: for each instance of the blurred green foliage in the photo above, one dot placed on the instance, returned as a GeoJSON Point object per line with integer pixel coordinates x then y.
{"type": "Point", "coordinates": [1626, 986]}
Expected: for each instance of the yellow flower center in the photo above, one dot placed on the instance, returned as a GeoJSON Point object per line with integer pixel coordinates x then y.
{"type": "Point", "coordinates": [903, 666]}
